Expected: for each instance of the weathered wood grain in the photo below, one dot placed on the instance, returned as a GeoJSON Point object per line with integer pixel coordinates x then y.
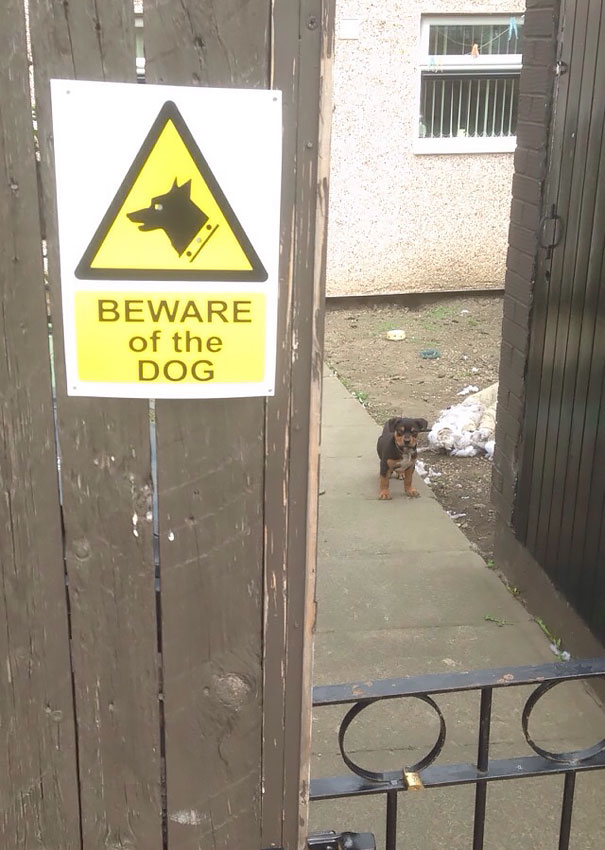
{"type": "Point", "coordinates": [304, 30]}
{"type": "Point", "coordinates": [210, 508]}
{"type": "Point", "coordinates": [38, 789]}
{"type": "Point", "coordinates": [210, 482]}
{"type": "Point", "coordinates": [223, 43]}
{"type": "Point", "coordinates": [106, 481]}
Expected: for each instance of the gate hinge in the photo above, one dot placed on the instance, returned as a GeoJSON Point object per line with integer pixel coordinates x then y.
{"type": "Point", "coordinates": [550, 229]}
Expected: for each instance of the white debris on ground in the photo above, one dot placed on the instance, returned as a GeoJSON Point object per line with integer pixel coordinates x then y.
{"type": "Point", "coordinates": [427, 473]}
{"type": "Point", "coordinates": [562, 654]}
{"type": "Point", "coordinates": [468, 429]}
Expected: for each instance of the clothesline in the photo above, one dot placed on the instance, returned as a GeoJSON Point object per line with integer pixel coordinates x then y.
{"type": "Point", "coordinates": [512, 27]}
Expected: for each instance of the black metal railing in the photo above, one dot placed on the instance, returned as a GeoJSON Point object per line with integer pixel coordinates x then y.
{"type": "Point", "coordinates": [426, 773]}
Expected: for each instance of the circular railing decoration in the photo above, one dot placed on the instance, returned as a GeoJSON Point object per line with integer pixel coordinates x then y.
{"type": "Point", "coordinates": [574, 757]}
{"type": "Point", "coordinates": [388, 776]}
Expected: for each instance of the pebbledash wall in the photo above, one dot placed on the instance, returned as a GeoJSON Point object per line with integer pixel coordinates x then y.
{"type": "Point", "coordinates": [402, 221]}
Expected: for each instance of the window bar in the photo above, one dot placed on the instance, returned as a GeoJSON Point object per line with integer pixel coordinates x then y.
{"type": "Point", "coordinates": [485, 713]}
{"type": "Point", "coordinates": [477, 108]}
{"type": "Point", "coordinates": [460, 84]}
{"type": "Point", "coordinates": [424, 118]}
{"type": "Point", "coordinates": [495, 107]}
{"type": "Point", "coordinates": [442, 105]}
{"type": "Point", "coordinates": [510, 113]}
{"type": "Point", "coordinates": [391, 833]}
{"type": "Point", "coordinates": [504, 90]}
{"type": "Point", "coordinates": [433, 83]}
{"type": "Point", "coordinates": [486, 108]}
{"type": "Point", "coordinates": [566, 810]}
{"type": "Point", "coordinates": [452, 85]}
{"type": "Point", "coordinates": [469, 86]}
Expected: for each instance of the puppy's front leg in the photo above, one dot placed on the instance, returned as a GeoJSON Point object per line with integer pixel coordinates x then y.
{"type": "Point", "coordinates": [384, 492]}
{"type": "Point", "coordinates": [385, 474]}
{"type": "Point", "coordinates": [407, 482]}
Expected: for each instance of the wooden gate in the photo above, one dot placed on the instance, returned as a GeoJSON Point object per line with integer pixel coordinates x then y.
{"type": "Point", "coordinates": [155, 688]}
{"type": "Point", "coordinates": [561, 489]}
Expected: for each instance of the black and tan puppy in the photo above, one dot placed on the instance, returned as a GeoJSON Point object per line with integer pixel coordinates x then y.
{"type": "Point", "coordinates": [397, 452]}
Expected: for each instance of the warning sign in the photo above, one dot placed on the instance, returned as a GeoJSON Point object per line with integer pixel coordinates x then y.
{"type": "Point", "coordinates": [170, 219]}
{"type": "Point", "coordinates": [168, 202]}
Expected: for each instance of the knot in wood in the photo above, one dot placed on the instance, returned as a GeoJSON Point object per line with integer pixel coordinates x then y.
{"type": "Point", "coordinates": [232, 690]}
{"type": "Point", "coordinates": [81, 549]}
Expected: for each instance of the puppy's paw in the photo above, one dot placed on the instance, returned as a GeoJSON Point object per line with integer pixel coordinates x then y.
{"type": "Point", "coordinates": [384, 494]}
{"type": "Point", "coordinates": [412, 493]}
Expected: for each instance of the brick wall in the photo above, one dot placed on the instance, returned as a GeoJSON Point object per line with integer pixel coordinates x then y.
{"type": "Point", "coordinates": [535, 107]}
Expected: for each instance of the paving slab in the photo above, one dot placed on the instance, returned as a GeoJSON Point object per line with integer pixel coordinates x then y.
{"type": "Point", "coordinates": [403, 525]}
{"type": "Point", "coordinates": [351, 478]}
{"type": "Point", "coordinates": [357, 655]}
{"type": "Point", "coordinates": [411, 590]}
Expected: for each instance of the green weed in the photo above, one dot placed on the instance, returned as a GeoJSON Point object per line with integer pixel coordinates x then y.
{"type": "Point", "coordinates": [556, 642]}
{"type": "Point", "coordinates": [496, 620]}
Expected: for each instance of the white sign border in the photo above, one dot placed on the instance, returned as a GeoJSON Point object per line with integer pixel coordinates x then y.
{"type": "Point", "coordinates": [98, 130]}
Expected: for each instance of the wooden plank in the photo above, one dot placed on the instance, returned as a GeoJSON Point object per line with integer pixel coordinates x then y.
{"type": "Point", "coordinates": [285, 65]}
{"type": "Point", "coordinates": [38, 792]}
{"type": "Point", "coordinates": [106, 481]}
{"type": "Point", "coordinates": [210, 483]}
{"type": "Point", "coordinates": [223, 43]}
{"type": "Point", "coordinates": [308, 36]}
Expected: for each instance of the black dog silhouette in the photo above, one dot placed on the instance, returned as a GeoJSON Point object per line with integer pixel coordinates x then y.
{"type": "Point", "coordinates": [175, 213]}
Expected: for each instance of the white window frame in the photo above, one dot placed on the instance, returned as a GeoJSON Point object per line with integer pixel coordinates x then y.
{"type": "Point", "coordinates": [482, 63]}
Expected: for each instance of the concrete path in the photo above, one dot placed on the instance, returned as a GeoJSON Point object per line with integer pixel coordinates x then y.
{"type": "Point", "coordinates": [400, 592]}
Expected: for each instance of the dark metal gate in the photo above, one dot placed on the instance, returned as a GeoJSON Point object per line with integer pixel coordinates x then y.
{"type": "Point", "coordinates": [559, 512]}
{"type": "Point", "coordinates": [427, 773]}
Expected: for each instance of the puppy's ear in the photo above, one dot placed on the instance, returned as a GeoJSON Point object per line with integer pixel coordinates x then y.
{"type": "Point", "coordinates": [422, 424]}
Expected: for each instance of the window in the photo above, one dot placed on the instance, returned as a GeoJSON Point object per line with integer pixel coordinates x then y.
{"type": "Point", "coordinates": [469, 83]}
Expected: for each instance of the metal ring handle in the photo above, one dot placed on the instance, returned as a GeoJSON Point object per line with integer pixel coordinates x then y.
{"type": "Point", "coordinates": [573, 757]}
{"type": "Point", "coordinates": [381, 776]}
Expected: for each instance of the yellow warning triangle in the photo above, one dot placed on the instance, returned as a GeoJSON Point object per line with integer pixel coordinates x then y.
{"type": "Point", "coordinates": [170, 219]}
